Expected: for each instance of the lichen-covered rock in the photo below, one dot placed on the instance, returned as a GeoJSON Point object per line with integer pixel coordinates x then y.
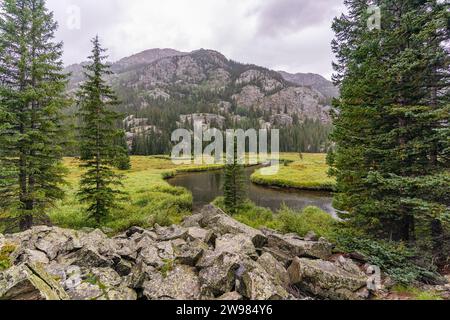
{"type": "Point", "coordinates": [256, 284]}
{"type": "Point", "coordinates": [222, 224]}
{"type": "Point", "coordinates": [171, 233]}
{"type": "Point", "coordinates": [165, 250]}
{"type": "Point", "coordinates": [275, 269]}
{"type": "Point", "coordinates": [92, 283]}
{"type": "Point", "coordinates": [192, 221]}
{"type": "Point", "coordinates": [189, 253]}
{"type": "Point", "coordinates": [327, 280]}
{"type": "Point", "coordinates": [32, 256]}
{"type": "Point", "coordinates": [293, 246]}
{"type": "Point", "coordinates": [348, 265]}
{"type": "Point", "coordinates": [181, 283]}
{"type": "Point", "coordinates": [127, 249]}
{"type": "Point", "coordinates": [150, 256]}
{"type": "Point", "coordinates": [237, 244]}
{"type": "Point", "coordinates": [51, 244]}
{"type": "Point", "coordinates": [210, 256]}
{"type": "Point", "coordinates": [29, 282]}
{"type": "Point", "coordinates": [2, 240]}
{"type": "Point", "coordinates": [88, 257]}
{"type": "Point", "coordinates": [218, 274]}
{"type": "Point", "coordinates": [123, 267]}
{"type": "Point", "coordinates": [231, 296]}
{"type": "Point", "coordinates": [195, 233]}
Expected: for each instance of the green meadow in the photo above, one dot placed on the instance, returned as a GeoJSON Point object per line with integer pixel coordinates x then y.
{"type": "Point", "coordinates": [306, 172]}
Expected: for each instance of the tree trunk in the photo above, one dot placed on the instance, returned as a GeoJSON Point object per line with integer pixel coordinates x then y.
{"type": "Point", "coordinates": [437, 234]}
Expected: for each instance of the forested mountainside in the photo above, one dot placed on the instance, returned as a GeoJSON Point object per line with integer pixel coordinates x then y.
{"type": "Point", "coordinates": [163, 89]}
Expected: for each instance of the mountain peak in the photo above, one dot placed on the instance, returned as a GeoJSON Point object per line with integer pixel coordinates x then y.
{"type": "Point", "coordinates": [314, 81]}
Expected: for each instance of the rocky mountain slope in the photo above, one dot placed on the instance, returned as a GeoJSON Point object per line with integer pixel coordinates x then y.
{"type": "Point", "coordinates": [210, 256]}
{"type": "Point", "coordinates": [166, 74]}
{"type": "Point", "coordinates": [314, 81]}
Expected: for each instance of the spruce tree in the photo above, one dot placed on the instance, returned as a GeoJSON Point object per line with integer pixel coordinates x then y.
{"type": "Point", "coordinates": [391, 129]}
{"type": "Point", "coordinates": [122, 161]}
{"type": "Point", "coordinates": [234, 183]}
{"type": "Point", "coordinates": [32, 86]}
{"type": "Point", "coordinates": [99, 150]}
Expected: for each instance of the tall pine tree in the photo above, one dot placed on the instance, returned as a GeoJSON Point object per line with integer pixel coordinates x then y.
{"type": "Point", "coordinates": [99, 150]}
{"type": "Point", "coordinates": [234, 183]}
{"type": "Point", "coordinates": [391, 128]}
{"type": "Point", "coordinates": [32, 86]}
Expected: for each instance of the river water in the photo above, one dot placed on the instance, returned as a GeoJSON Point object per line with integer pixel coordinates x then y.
{"type": "Point", "coordinates": [206, 186]}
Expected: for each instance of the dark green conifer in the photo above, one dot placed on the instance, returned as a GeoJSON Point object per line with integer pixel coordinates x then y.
{"type": "Point", "coordinates": [99, 150]}
{"type": "Point", "coordinates": [32, 86]}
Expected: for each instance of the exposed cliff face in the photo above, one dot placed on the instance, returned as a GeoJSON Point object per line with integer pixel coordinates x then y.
{"type": "Point", "coordinates": [314, 81]}
{"type": "Point", "coordinates": [168, 74]}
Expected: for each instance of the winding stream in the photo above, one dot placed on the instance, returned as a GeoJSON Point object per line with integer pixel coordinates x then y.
{"type": "Point", "coordinates": [206, 186]}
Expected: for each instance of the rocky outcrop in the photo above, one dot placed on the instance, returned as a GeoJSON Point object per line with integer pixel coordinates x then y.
{"type": "Point", "coordinates": [314, 81]}
{"type": "Point", "coordinates": [165, 74]}
{"type": "Point", "coordinates": [209, 256]}
{"type": "Point", "coordinates": [328, 280]}
{"type": "Point", "coordinates": [29, 282]}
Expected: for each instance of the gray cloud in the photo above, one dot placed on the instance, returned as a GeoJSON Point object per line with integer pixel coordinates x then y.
{"type": "Point", "coordinates": [279, 16]}
{"type": "Point", "coordinates": [293, 35]}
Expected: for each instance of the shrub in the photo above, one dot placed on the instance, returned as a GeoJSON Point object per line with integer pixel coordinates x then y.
{"type": "Point", "coordinates": [252, 215]}
{"type": "Point", "coordinates": [395, 259]}
{"type": "Point", "coordinates": [310, 219]}
{"type": "Point", "coordinates": [415, 293]}
{"type": "Point", "coordinates": [5, 252]}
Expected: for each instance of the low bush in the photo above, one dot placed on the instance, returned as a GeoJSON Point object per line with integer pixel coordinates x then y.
{"type": "Point", "coordinates": [310, 219]}
{"type": "Point", "coordinates": [5, 252]}
{"type": "Point", "coordinates": [395, 259]}
{"type": "Point", "coordinates": [252, 215]}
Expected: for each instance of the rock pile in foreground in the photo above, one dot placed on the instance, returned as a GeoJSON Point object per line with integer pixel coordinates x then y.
{"type": "Point", "coordinates": [210, 256]}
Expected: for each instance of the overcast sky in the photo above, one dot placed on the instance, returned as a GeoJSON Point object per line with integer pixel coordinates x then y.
{"type": "Point", "coordinates": [290, 35]}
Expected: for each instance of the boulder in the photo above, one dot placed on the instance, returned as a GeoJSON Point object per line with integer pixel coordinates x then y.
{"type": "Point", "coordinates": [257, 284]}
{"type": "Point", "coordinates": [192, 221]}
{"type": "Point", "coordinates": [293, 246]}
{"type": "Point", "coordinates": [182, 283]}
{"type": "Point", "coordinates": [165, 250]}
{"type": "Point", "coordinates": [140, 272]}
{"type": "Point", "coordinates": [231, 296]}
{"type": "Point", "coordinates": [171, 233]}
{"type": "Point", "coordinates": [275, 269]}
{"type": "Point", "coordinates": [29, 282]}
{"type": "Point", "coordinates": [2, 240]}
{"type": "Point", "coordinates": [284, 258]}
{"type": "Point", "coordinates": [238, 244]}
{"type": "Point", "coordinates": [195, 233]}
{"type": "Point", "coordinates": [52, 243]}
{"type": "Point", "coordinates": [219, 222]}
{"type": "Point", "coordinates": [32, 256]}
{"type": "Point", "coordinates": [69, 277]}
{"type": "Point", "coordinates": [348, 265]}
{"type": "Point", "coordinates": [189, 253]}
{"type": "Point", "coordinates": [327, 280]}
{"type": "Point", "coordinates": [102, 244]}
{"type": "Point", "coordinates": [87, 257]}
{"type": "Point", "coordinates": [124, 267]}
{"type": "Point", "coordinates": [218, 273]}
{"type": "Point", "coordinates": [149, 255]}
{"type": "Point", "coordinates": [134, 230]}
{"type": "Point", "coordinates": [126, 249]}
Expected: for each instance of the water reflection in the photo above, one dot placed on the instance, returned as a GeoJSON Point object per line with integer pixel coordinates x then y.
{"type": "Point", "coordinates": [206, 186]}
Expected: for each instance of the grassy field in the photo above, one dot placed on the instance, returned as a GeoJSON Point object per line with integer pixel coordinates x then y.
{"type": "Point", "coordinates": [308, 173]}
{"type": "Point", "coordinates": [150, 198]}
